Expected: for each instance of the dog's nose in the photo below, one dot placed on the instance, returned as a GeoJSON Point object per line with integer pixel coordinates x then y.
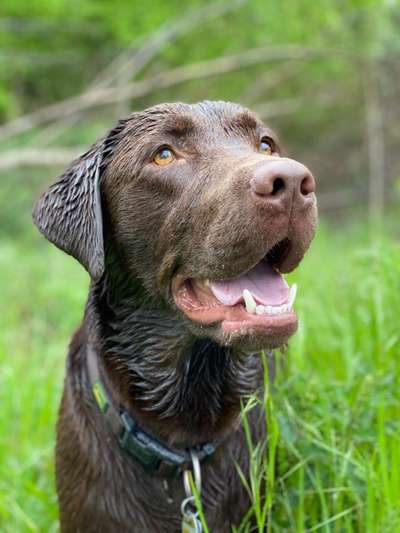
{"type": "Point", "coordinates": [280, 180]}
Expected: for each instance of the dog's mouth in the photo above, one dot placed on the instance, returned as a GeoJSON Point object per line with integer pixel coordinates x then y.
{"type": "Point", "coordinates": [257, 301]}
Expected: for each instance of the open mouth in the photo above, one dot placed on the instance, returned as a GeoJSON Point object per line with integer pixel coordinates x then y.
{"type": "Point", "coordinates": [258, 299]}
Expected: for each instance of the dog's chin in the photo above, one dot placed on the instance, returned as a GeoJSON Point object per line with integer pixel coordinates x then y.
{"type": "Point", "coordinates": [248, 337]}
{"type": "Point", "coordinates": [255, 335]}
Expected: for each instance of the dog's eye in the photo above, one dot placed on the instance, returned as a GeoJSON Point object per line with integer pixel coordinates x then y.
{"type": "Point", "coordinates": [163, 157]}
{"type": "Point", "coordinates": [266, 146]}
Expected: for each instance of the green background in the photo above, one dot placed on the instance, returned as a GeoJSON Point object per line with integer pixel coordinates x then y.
{"type": "Point", "coordinates": [326, 76]}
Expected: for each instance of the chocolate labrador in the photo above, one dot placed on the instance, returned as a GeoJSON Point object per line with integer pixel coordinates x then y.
{"type": "Point", "coordinates": [185, 217]}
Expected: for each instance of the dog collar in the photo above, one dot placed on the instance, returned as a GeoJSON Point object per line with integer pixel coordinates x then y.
{"type": "Point", "coordinates": [154, 455]}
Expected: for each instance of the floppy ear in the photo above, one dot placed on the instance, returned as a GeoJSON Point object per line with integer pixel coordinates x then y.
{"type": "Point", "coordinates": [69, 212]}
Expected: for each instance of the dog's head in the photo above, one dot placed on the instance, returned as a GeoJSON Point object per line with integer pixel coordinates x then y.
{"type": "Point", "coordinates": [202, 212]}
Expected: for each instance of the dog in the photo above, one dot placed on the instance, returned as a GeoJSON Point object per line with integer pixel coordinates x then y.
{"type": "Point", "coordinates": [185, 217]}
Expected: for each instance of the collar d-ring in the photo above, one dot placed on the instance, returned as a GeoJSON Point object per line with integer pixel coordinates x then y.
{"type": "Point", "coordinates": [196, 474]}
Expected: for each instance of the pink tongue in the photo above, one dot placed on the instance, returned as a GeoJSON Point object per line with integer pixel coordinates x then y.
{"type": "Point", "coordinates": [265, 284]}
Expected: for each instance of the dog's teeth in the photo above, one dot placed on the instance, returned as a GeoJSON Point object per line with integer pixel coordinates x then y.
{"type": "Point", "coordinates": [292, 295]}
{"type": "Point", "coordinates": [249, 301]}
{"type": "Point", "coordinates": [204, 284]}
{"type": "Point", "coordinates": [274, 309]}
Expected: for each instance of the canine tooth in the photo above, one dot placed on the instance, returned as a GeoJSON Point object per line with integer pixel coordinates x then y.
{"type": "Point", "coordinates": [292, 295]}
{"type": "Point", "coordinates": [249, 301]}
{"type": "Point", "coordinates": [203, 284]}
{"type": "Point", "coordinates": [260, 310]}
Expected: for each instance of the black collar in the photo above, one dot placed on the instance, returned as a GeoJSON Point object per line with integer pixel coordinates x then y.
{"type": "Point", "coordinates": [154, 455]}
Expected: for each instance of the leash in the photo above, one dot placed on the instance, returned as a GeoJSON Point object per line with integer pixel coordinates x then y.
{"type": "Point", "coordinates": [154, 455]}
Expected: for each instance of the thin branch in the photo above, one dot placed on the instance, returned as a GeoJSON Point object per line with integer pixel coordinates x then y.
{"type": "Point", "coordinates": [135, 58]}
{"type": "Point", "coordinates": [31, 157]}
{"type": "Point", "coordinates": [272, 79]}
{"type": "Point", "coordinates": [203, 69]}
{"type": "Point", "coordinates": [128, 65]}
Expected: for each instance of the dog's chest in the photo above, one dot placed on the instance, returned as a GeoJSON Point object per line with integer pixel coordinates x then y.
{"type": "Point", "coordinates": [110, 492]}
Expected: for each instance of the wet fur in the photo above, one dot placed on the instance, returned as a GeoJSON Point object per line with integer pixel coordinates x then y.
{"type": "Point", "coordinates": [133, 226]}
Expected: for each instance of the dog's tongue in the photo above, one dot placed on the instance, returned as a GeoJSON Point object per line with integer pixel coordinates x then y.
{"type": "Point", "coordinates": [265, 284]}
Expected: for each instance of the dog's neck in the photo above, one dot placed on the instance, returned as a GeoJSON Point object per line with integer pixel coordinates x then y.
{"type": "Point", "coordinates": [183, 389]}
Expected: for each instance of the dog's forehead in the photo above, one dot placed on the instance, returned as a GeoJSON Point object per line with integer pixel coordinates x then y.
{"type": "Point", "coordinates": [203, 120]}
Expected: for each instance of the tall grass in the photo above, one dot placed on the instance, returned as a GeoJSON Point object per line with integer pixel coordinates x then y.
{"type": "Point", "coordinates": [337, 397]}
{"type": "Point", "coordinates": [333, 412]}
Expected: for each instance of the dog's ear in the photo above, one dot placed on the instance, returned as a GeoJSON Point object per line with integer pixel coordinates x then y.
{"type": "Point", "coordinates": [69, 212]}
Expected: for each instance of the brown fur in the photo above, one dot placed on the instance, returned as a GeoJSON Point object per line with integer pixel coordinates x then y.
{"type": "Point", "coordinates": [133, 226]}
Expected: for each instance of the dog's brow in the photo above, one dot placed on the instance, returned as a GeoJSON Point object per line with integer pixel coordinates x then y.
{"type": "Point", "coordinates": [245, 121]}
{"type": "Point", "coordinates": [178, 126]}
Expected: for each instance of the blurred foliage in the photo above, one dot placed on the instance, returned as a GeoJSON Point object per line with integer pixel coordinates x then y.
{"type": "Point", "coordinates": [52, 49]}
{"type": "Point", "coordinates": [338, 401]}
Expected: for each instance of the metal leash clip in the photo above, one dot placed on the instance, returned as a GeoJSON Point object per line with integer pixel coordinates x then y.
{"type": "Point", "coordinates": [190, 516]}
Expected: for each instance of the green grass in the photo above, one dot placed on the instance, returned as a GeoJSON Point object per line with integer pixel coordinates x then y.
{"type": "Point", "coordinates": [334, 411]}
